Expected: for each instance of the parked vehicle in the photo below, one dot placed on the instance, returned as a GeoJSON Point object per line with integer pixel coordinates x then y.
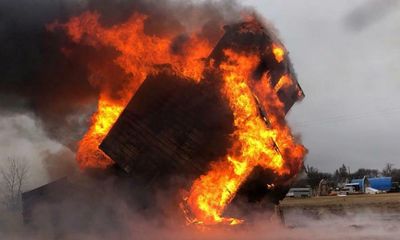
{"type": "Point", "coordinates": [299, 192]}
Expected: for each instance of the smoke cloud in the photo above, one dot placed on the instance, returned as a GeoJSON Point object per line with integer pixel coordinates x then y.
{"type": "Point", "coordinates": [114, 217]}
{"type": "Point", "coordinates": [47, 75]}
{"type": "Point", "coordinates": [368, 13]}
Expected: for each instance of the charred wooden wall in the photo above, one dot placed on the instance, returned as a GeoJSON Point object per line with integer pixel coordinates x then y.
{"type": "Point", "coordinates": [253, 38]}
{"type": "Point", "coordinates": [171, 126]}
{"type": "Point", "coordinates": [175, 126]}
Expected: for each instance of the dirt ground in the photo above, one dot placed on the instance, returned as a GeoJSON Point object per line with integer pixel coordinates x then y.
{"type": "Point", "coordinates": [350, 217]}
{"type": "Point", "coordinates": [385, 206]}
{"type": "Point", "coordinates": [364, 200]}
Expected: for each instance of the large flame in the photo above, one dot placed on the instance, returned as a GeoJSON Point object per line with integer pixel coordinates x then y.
{"type": "Point", "coordinates": [138, 53]}
{"type": "Point", "coordinates": [88, 154]}
{"type": "Point", "coordinates": [258, 141]}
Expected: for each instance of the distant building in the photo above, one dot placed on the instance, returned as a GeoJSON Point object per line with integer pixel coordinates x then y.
{"type": "Point", "coordinates": [360, 184]}
{"type": "Point", "coordinates": [383, 184]}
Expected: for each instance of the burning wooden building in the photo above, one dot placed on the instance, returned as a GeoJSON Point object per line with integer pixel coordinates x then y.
{"type": "Point", "coordinates": [176, 126]}
{"type": "Point", "coordinates": [224, 133]}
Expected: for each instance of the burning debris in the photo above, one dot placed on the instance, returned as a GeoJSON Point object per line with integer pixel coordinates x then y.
{"type": "Point", "coordinates": [230, 121]}
{"type": "Point", "coordinates": [261, 137]}
{"type": "Point", "coordinates": [211, 113]}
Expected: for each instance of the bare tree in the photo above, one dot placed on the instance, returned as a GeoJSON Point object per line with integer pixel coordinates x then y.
{"type": "Point", "coordinates": [365, 172]}
{"type": "Point", "coordinates": [387, 170]}
{"type": "Point", "coordinates": [314, 176]}
{"type": "Point", "coordinates": [342, 174]}
{"type": "Point", "coordinates": [13, 176]}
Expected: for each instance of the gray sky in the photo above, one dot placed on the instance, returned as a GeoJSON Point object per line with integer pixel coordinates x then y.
{"type": "Point", "coordinates": [346, 55]}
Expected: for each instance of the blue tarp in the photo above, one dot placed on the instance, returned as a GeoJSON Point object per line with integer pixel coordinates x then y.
{"type": "Point", "coordinates": [380, 183]}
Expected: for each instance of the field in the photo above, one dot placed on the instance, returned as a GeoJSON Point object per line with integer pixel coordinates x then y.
{"type": "Point", "coordinates": [361, 200]}
{"type": "Point", "coordinates": [348, 209]}
{"type": "Point", "coordinates": [361, 216]}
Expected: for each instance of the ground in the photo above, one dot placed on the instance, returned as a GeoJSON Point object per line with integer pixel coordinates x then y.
{"type": "Point", "coordinates": [364, 200]}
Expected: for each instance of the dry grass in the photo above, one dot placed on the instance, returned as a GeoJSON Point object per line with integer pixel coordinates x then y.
{"type": "Point", "coordinates": [363, 200]}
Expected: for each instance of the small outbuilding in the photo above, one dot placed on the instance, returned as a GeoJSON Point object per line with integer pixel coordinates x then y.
{"type": "Point", "coordinates": [362, 183]}
{"type": "Point", "coordinates": [383, 184]}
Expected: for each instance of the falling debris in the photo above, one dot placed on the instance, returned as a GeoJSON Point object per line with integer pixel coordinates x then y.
{"type": "Point", "coordinates": [230, 122]}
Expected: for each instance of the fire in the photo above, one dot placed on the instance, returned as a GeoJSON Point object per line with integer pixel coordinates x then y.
{"type": "Point", "coordinates": [259, 140]}
{"type": "Point", "coordinates": [257, 143]}
{"type": "Point", "coordinates": [138, 54]}
{"type": "Point", "coordinates": [278, 52]}
{"type": "Point", "coordinates": [88, 154]}
{"type": "Point", "coordinates": [283, 82]}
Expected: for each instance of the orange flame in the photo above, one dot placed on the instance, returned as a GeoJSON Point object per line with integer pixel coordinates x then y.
{"type": "Point", "coordinates": [88, 154]}
{"type": "Point", "coordinates": [257, 144]}
{"type": "Point", "coordinates": [284, 81]}
{"type": "Point", "coordinates": [258, 141]}
{"type": "Point", "coordinates": [278, 52]}
{"type": "Point", "coordinates": [138, 53]}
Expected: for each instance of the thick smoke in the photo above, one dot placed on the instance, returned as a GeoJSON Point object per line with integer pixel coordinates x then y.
{"type": "Point", "coordinates": [59, 164]}
{"type": "Point", "coordinates": [47, 75]}
{"type": "Point", "coordinates": [113, 217]}
{"type": "Point", "coordinates": [36, 78]}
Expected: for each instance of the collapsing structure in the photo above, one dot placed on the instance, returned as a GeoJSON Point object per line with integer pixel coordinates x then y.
{"type": "Point", "coordinates": [175, 126]}
{"type": "Point", "coordinates": [170, 127]}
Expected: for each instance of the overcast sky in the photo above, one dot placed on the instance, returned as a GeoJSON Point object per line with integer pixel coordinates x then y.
{"type": "Point", "coordinates": [345, 54]}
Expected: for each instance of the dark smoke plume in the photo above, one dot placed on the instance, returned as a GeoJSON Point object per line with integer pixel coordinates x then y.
{"type": "Point", "coordinates": [58, 86]}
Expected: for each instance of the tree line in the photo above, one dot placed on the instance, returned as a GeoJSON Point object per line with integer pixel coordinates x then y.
{"type": "Point", "coordinates": [313, 176]}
